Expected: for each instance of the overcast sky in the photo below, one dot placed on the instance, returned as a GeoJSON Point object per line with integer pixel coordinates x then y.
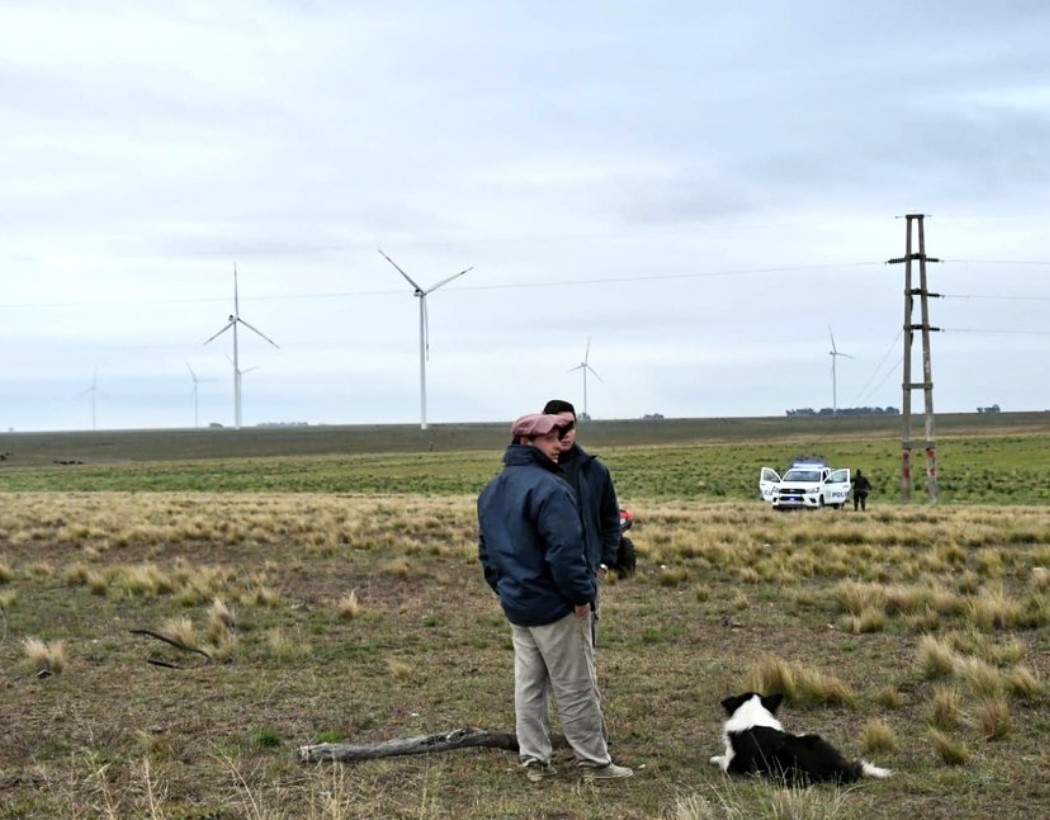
{"type": "Point", "coordinates": [699, 189]}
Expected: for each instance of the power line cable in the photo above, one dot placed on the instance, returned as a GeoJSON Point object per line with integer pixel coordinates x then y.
{"type": "Point", "coordinates": [864, 391]}
{"type": "Point", "coordinates": [559, 283]}
{"type": "Point", "coordinates": [989, 296]}
{"type": "Point", "coordinates": [995, 332]}
{"type": "Point", "coordinates": [995, 261]}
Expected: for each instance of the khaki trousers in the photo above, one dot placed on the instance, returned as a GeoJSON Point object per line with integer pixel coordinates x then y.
{"type": "Point", "coordinates": [558, 659]}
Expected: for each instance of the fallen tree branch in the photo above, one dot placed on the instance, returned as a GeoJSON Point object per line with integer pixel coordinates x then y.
{"type": "Point", "coordinates": [424, 744]}
{"type": "Point", "coordinates": [160, 636]}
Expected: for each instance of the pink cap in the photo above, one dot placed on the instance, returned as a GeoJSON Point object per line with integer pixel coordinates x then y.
{"type": "Point", "coordinates": [537, 424]}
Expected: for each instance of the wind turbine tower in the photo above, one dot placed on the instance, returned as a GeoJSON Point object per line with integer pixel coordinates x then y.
{"type": "Point", "coordinates": [235, 319]}
{"type": "Point", "coordinates": [424, 331]}
{"type": "Point", "coordinates": [93, 390]}
{"type": "Point", "coordinates": [834, 353]}
{"type": "Point", "coordinates": [585, 366]}
{"type": "Point", "coordinates": [196, 380]}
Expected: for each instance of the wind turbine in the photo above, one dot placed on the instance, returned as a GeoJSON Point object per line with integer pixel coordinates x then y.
{"type": "Point", "coordinates": [424, 332]}
{"type": "Point", "coordinates": [234, 320]}
{"type": "Point", "coordinates": [584, 366]}
{"type": "Point", "coordinates": [834, 353]}
{"type": "Point", "coordinates": [93, 390]}
{"type": "Point", "coordinates": [196, 381]}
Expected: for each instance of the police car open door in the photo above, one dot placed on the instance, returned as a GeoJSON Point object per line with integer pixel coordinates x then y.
{"type": "Point", "coordinates": [768, 481]}
{"type": "Point", "coordinates": [838, 486]}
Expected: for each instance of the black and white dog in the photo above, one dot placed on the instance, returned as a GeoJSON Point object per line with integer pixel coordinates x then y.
{"type": "Point", "coordinates": [756, 743]}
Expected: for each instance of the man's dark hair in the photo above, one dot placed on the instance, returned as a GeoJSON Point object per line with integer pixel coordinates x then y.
{"type": "Point", "coordinates": [555, 406]}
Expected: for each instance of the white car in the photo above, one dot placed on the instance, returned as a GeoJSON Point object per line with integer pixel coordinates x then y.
{"type": "Point", "coordinates": [805, 486]}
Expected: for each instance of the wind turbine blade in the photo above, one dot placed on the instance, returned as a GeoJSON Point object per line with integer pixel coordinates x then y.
{"type": "Point", "coordinates": [834, 349]}
{"type": "Point", "coordinates": [587, 352]}
{"type": "Point", "coordinates": [192, 374]}
{"type": "Point", "coordinates": [236, 296]}
{"type": "Point", "coordinates": [250, 369]}
{"type": "Point", "coordinates": [446, 281]}
{"type": "Point", "coordinates": [407, 277]}
{"type": "Point", "coordinates": [578, 367]}
{"type": "Point", "coordinates": [595, 374]}
{"type": "Point", "coordinates": [227, 326]}
{"type": "Point", "coordinates": [259, 333]}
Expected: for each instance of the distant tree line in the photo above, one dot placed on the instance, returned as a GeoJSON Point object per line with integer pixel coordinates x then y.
{"type": "Point", "coordinates": [845, 411]}
{"type": "Point", "coordinates": [993, 409]}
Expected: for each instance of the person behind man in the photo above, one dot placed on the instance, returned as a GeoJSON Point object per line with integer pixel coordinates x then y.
{"type": "Point", "coordinates": [530, 545]}
{"type": "Point", "coordinates": [599, 508]}
{"type": "Point", "coordinates": [861, 488]}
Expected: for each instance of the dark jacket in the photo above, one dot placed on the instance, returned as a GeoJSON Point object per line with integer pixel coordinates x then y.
{"type": "Point", "coordinates": [861, 485]}
{"type": "Point", "coordinates": [599, 509]}
{"type": "Point", "coordinates": [530, 542]}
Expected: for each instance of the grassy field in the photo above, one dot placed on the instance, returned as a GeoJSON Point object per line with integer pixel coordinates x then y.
{"type": "Point", "coordinates": [336, 594]}
{"type": "Point", "coordinates": [1000, 458]}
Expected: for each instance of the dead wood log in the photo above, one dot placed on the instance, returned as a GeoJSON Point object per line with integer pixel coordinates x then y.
{"type": "Point", "coordinates": [424, 744]}
{"type": "Point", "coordinates": [160, 636]}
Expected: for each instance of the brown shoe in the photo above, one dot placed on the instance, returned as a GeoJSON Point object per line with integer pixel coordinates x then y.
{"type": "Point", "coordinates": [537, 772]}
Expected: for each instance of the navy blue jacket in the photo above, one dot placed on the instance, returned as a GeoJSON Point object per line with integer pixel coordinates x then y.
{"type": "Point", "coordinates": [530, 541]}
{"type": "Point", "coordinates": [599, 509]}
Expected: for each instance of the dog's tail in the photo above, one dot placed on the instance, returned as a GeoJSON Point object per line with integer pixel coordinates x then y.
{"type": "Point", "coordinates": [871, 770]}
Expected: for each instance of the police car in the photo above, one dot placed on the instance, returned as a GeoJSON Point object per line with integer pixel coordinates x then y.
{"type": "Point", "coordinates": [808, 484]}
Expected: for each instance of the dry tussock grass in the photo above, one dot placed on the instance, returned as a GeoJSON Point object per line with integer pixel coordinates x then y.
{"type": "Point", "coordinates": [321, 523]}
{"type": "Point", "coordinates": [285, 646]}
{"type": "Point", "coordinates": [994, 609]}
{"type": "Point", "coordinates": [397, 568]}
{"type": "Point", "coordinates": [945, 708]}
{"type": "Point", "coordinates": [889, 697]}
{"type": "Point", "coordinates": [221, 619]}
{"type": "Point", "coordinates": [181, 629]}
{"type": "Point", "coordinates": [878, 736]}
{"type": "Point", "coordinates": [799, 684]}
{"type": "Point", "coordinates": [936, 658]}
{"type": "Point", "coordinates": [954, 752]}
{"type": "Point", "coordinates": [400, 671]}
{"type": "Point", "coordinates": [993, 718]}
{"type": "Point", "coordinates": [40, 569]}
{"type": "Point", "coordinates": [1022, 682]}
{"type": "Point", "coordinates": [735, 802]}
{"type": "Point", "coordinates": [45, 657]}
{"type": "Point", "coordinates": [869, 620]}
{"type": "Point", "coordinates": [348, 606]}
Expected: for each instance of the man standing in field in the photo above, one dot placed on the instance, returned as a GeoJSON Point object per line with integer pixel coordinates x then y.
{"type": "Point", "coordinates": [599, 508]}
{"type": "Point", "coordinates": [531, 549]}
{"type": "Point", "coordinates": [861, 488]}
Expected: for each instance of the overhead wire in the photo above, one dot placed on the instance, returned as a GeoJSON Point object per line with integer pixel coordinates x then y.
{"type": "Point", "coordinates": [559, 283]}
{"type": "Point", "coordinates": [864, 391]}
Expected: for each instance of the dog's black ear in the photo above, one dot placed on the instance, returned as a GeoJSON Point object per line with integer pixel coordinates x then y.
{"type": "Point", "coordinates": [733, 702]}
{"type": "Point", "coordinates": [772, 702]}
